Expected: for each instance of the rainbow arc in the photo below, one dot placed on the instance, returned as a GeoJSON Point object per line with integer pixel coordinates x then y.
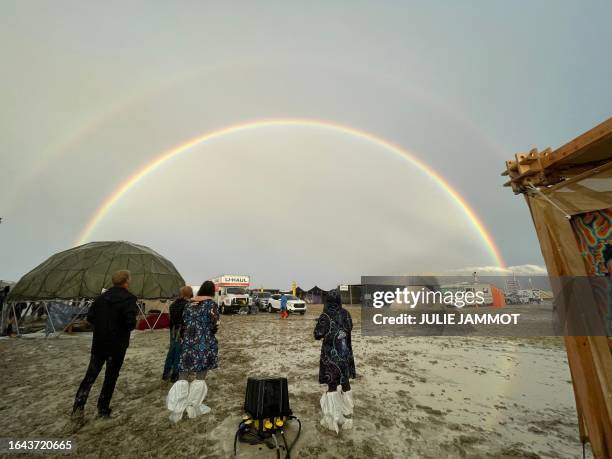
{"type": "Point", "coordinates": [108, 203]}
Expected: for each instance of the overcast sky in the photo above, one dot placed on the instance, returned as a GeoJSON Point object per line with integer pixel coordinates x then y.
{"type": "Point", "coordinates": [92, 92]}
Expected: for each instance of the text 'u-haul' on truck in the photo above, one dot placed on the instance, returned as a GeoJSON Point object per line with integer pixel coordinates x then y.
{"type": "Point", "coordinates": [231, 292]}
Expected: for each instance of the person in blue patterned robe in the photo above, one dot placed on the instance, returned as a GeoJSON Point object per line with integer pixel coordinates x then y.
{"type": "Point", "coordinates": [200, 349]}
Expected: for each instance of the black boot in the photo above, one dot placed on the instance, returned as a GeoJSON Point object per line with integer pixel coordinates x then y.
{"type": "Point", "coordinates": [104, 413]}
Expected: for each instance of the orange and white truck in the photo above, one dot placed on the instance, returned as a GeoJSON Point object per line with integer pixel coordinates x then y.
{"type": "Point", "coordinates": [231, 292]}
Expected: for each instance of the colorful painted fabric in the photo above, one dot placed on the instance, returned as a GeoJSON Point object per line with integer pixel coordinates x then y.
{"type": "Point", "coordinates": [200, 348]}
{"type": "Point", "coordinates": [334, 327]}
{"type": "Point", "coordinates": [594, 234]}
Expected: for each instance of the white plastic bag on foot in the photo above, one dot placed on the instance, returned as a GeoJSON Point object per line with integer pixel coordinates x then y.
{"type": "Point", "coordinates": [331, 406]}
{"type": "Point", "coordinates": [348, 404]}
{"type": "Point", "coordinates": [176, 401]}
{"type": "Point", "coordinates": [197, 393]}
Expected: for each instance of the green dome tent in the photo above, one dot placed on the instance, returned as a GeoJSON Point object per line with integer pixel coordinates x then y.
{"type": "Point", "coordinates": [83, 271]}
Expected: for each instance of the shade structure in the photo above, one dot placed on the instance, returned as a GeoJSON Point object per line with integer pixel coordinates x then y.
{"type": "Point", "coordinates": [569, 195]}
{"type": "Point", "coordinates": [316, 290]}
{"type": "Point", "coordinates": [83, 271]}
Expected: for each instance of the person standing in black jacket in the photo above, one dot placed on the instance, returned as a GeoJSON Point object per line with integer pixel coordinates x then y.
{"type": "Point", "coordinates": [113, 317]}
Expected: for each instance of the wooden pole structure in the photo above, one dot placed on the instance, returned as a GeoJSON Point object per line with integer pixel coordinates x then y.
{"type": "Point", "coordinates": [558, 187]}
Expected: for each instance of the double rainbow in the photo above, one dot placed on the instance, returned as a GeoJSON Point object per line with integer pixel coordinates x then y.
{"type": "Point", "coordinates": [131, 181]}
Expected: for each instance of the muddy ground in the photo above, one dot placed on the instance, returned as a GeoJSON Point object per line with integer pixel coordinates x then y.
{"type": "Point", "coordinates": [415, 397]}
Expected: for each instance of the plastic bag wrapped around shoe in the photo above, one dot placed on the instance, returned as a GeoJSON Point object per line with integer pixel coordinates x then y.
{"type": "Point", "coordinates": [176, 401]}
{"type": "Point", "coordinates": [348, 404]}
{"type": "Point", "coordinates": [197, 393]}
{"type": "Point", "coordinates": [194, 412]}
{"type": "Point", "coordinates": [332, 407]}
{"type": "Point", "coordinates": [327, 420]}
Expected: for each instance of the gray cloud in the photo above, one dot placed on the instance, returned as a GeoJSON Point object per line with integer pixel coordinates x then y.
{"type": "Point", "coordinates": [91, 93]}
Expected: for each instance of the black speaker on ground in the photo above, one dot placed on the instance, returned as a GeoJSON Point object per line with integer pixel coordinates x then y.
{"type": "Point", "coordinates": [266, 404]}
{"type": "Point", "coordinates": [267, 397]}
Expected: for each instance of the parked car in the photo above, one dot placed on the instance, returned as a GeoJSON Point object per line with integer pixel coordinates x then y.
{"type": "Point", "coordinates": [261, 299]}
{"type": "Point", "coordinates": [294, 304]}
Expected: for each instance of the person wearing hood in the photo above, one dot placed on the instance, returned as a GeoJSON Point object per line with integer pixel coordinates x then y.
{"type": "Point", "coordinates": [176, 325]}
{"type": "Point", "coordinates": [337, 364]}
{"type": "Point", "coordinates": [113, 317]}
{"type": "Point", "coordinates": [199, 354]}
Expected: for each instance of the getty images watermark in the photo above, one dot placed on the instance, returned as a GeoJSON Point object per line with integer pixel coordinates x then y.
{"type": "Point", "coordinates": [485, 306]}
{"type": "Point", "coordinates": [422, 297]}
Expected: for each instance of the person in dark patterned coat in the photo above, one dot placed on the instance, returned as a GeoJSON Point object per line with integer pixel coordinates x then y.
{"type": "Point", "coordinates": [199, 354]}
{"type": "Point", "coordinates": [337, 364]}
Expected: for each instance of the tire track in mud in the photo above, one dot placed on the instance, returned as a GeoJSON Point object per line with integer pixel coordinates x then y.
{"type": "Point", "coordinates": [415, 397]}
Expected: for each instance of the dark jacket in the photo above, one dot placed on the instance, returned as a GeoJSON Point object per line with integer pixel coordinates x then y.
{"type": "Point", "coordinates": [3, 295]}
{"type": "Point", "coordinates": [113, 316]}
{"type": "Point", "coordinates": [176, 315]}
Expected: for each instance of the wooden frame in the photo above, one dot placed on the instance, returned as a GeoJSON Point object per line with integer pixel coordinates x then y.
{"type": "Point", "coordinates": [548, 167]}
{"type": "Point", "coordinates": [539, 175]}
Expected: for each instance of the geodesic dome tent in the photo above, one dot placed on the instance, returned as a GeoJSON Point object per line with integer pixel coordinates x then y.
{"type": "Point", "coordinates": [64, 284]}
{"type": "Point", "coordinates": [83, 271]}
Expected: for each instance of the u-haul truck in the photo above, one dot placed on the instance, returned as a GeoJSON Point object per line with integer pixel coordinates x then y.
{"type": "Point", "coordinates": [231, 292]}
